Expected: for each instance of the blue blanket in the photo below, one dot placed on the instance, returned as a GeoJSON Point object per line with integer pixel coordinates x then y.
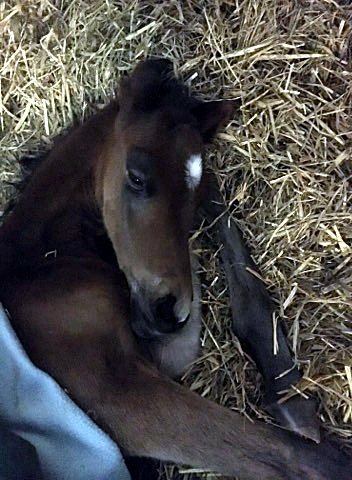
{"type": "Point", "coordinates": [43, 434]}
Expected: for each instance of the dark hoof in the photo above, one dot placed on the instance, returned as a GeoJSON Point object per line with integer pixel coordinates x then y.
{"type": "Point", "coordinates": [298, 415]}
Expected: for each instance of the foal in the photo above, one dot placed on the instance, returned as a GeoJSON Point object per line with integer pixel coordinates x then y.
{"type": "Point", "coordinates": [113, 313]}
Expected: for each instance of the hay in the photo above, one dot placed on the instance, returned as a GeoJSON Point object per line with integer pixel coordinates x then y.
{"type": "Point", "coordinates": [284, 165]}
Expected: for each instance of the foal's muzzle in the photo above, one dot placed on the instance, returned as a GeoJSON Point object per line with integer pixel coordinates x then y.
{"type": "Point", "coordinates": [153, 319]}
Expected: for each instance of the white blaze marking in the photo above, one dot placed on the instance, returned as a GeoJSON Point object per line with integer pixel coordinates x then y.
{"type": "Point", "coordinates": [194, 170]}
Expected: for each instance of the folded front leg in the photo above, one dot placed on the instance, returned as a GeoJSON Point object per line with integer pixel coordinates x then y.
{"type": "Point", "coordinates": [253, 315]}
{"type": "Point", "coordinates": [262, 335]}
{"type": "Point", "coordinates": [257, 328]}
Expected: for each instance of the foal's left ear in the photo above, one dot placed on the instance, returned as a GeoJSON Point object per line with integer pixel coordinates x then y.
{"type": "Point", "coordinates": [212, 116]}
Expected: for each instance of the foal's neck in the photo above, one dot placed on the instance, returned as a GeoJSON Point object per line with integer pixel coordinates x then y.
{"type": "Point", "coordinates": [59, 197]}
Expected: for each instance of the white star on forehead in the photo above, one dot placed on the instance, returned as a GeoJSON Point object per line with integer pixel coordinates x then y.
{"type": "Point", "coordinates": [194, 169]}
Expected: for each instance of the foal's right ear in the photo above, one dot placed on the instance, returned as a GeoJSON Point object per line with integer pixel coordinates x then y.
{"type": "Point", "coordinates": [212, 116]}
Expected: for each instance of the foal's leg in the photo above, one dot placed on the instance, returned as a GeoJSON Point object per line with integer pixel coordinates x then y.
{"type": "Point", "coordinates": [262, 337]}
{"type": "Point", "coordinates": [80, 336]}
{"type": "Point", "coordinates": [256, 328]}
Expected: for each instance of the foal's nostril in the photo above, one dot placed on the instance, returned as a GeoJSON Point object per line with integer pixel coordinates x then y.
{"type": "Point", "coordinates": [164, 307]}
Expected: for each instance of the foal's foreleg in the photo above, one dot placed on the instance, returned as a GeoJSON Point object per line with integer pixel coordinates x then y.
{"type": "Point", "coordinates": [253, 315]}
{"type": "Point", "coordinates": [262, 335]}
{"type": "Point", "coordinates": [152, 416]}
{"type": "Point", "coordinates": [256, 327]}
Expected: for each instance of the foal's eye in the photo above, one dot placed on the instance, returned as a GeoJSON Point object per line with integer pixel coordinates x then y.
{"type": "Point", "coordinates": [136, 182]}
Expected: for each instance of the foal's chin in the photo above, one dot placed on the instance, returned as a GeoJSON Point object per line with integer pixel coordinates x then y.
{"type": "Point", "coordinates": [171, 352]}
{"type": "Point", "coordinates": [174, 351]}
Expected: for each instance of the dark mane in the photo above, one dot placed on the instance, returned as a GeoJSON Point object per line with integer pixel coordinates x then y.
{"type": "Point", "coordinates": [91, 227]}
{"type": "Point", "coordinates": [29, 164]}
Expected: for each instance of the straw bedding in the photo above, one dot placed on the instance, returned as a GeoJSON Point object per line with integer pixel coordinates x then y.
{"type": "Point", "coordinates": [284, 162]}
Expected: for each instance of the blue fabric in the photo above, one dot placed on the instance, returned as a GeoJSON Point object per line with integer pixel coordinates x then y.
{"type": "Point", "coordinates": [67, 443]}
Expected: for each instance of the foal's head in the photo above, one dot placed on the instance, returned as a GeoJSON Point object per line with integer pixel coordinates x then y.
{"type": "Point", "coordinates": [151, 177]}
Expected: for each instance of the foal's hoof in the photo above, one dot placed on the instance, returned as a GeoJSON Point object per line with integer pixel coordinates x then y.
{"type": "Point", "coordinates": [298, 415]}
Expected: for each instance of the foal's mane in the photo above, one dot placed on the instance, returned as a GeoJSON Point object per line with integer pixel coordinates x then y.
{"type": "Point", "coordinates": [29, 164]}
{"type": "Point", "coordinates": [92, 226]}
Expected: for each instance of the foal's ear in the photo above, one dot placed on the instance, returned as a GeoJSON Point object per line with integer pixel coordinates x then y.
{"type": "Point", "coordinates": [212, 116]}
{"type": "Point", "coordinates": [149, 82]}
